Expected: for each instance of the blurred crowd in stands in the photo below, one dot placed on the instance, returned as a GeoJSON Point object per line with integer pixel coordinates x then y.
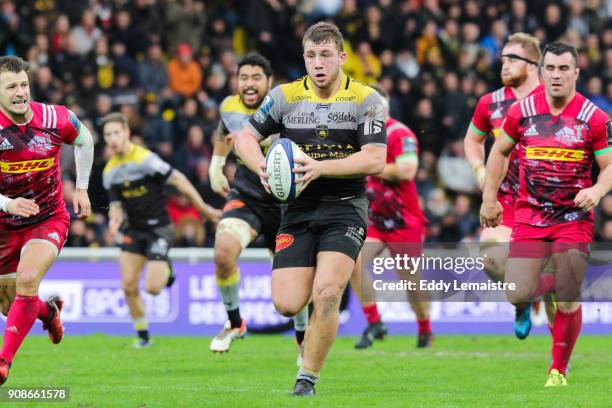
{"type": "Point", "coordinates": [167, 64]}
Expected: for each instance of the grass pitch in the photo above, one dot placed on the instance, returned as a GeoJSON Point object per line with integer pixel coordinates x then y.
{"type": "Point", "coordinates": [484, 371]}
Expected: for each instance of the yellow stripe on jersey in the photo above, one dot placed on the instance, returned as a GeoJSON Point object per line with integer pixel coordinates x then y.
{"type": "Point", "coordinates": [136, 155]}
{"type": "Point", "coordinates": [233, 103]}
{"type": "Point", "coordinates": [27, 165]}
{"type": "Point", "coordinates": [302, 90]}
{"type": "Point", "coordinates": [554, 153]}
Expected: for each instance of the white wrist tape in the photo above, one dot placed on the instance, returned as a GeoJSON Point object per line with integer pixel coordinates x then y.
{"type": "Point", "coordinates": [4, 202]}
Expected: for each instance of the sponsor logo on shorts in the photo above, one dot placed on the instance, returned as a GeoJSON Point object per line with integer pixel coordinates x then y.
{"type": "Point", "coordinates": [232, 205]}
{"type": "Point", "coordinates": [54, 236]}
{"type": "Point", "coordinates": [27, 165]}
{"type": "Point", "coordinates": [283, 241]}
{"type": "Point", "coordinates": [554, 153]}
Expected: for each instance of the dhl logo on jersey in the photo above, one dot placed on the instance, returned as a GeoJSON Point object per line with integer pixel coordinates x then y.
{"type": "Point", "coordinates": [27, 165]}
{"type": "Point", "coordinates": [554, 153]}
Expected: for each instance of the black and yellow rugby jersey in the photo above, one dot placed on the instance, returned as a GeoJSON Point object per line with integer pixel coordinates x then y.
{"type": "Point", "coordinates": [138, 181]}
{"type": "Point", "coordinates": [234, 115]}
{"type": "Point", "coordinates": [324, 128]}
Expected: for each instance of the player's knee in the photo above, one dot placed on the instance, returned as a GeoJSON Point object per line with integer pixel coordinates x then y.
{"type": "Point", "coordinates": [327, 299]}
{"type": "Point", "coordinates": [518, 295]}
{"type": "Point", "coordinates": [225, 261]}
{"type": "Point", "coordinates": [493, 268]}
{"type": "Point", "coordinates": [286, 306]}
{"type": "Point", "coordinates": [130, 287]}
{"type": "Point", "coordinates": [153, 288]}
{"type": "Point", "coordinates": [27, 279]}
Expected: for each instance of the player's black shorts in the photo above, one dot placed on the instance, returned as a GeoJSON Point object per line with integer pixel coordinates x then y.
{"type": "Point", "coordinates": [154, 243]}
{"type": "Point", "coordinates": [309, 227]}
{"type": "Point", "coordinates": [263, 217]}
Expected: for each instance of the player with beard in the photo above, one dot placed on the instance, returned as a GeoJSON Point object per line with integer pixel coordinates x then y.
{"type": "Point", "coordinates": [249, 210]}
{"type": "Point", "coordinates": [34, 222]}
{"type": "Point", "coordinates": [520, 58]}
{"type": "Point", "coordinates": [339, 123]}
{"type": "Point", "coordinates": [396, 223]}
{"type": "Point", "coordinates": [560, 134]}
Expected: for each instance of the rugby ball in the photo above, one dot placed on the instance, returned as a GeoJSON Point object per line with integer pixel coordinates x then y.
{"type": "Point", "coordinates": [279, 167]}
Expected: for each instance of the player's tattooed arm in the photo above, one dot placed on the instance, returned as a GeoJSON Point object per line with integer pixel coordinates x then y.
{"type": "Point", "coordinates": [184, 186]}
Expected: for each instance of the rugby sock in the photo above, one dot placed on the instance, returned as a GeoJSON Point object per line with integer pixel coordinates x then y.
{"type": "Point", "coordinates": [371, 313]}
{"type": "Point", "coordinates": [229, 289]}
{"type": "Point", "coordinates": [142, 328]}
{"type": "Point", "coordinates": [43, 310]}
{"type": "Point", "coordinates": [308, 375]}
{"type": "Point", "coordinates": [424, 326]}
{"type": "Point", "coordinates": [234, 318]}
{"type": "Point", "coordinates": [565, 333]}
{"type": "Point", "coordinates": [300, 322]}
{"type": "Point", "coordinates": [546, 284]}
{"type": "Point", "coordinates": [19, 321]}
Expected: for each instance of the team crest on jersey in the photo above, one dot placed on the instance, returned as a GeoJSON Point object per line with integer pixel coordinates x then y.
{"type": "Point", "coordinates": [322, 131]}
{"type": "Point", "coordinates": [568, 135]}
{"type": "Point", "coordinates": [532, 131]}
{"type": "Point", "coordinates": [40, 143]}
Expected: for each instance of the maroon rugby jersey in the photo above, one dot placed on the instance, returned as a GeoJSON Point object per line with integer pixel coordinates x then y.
{"type": "Point", "coordinates": [29, 161]}
{"type": "Point", "coordinates": [395, 205]}
{"type": "Point", "coordinates": [489, 114]}
{"type": "Point", "coordinates": [556, 155]}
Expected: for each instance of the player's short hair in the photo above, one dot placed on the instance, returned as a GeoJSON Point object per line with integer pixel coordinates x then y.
{"type": "Point", "coordinates": [560, 48]}
{"type": "Point", "coordinates": [13, 64]}
{"type": "Point", "coordinates": [323, 32]}
{"type": "Point", "coordinates": [380, 91]}
{"type": "Point", "coordinates": [258, 60]}
{"type": "Point", "coordinates": [383, 94]}
{"type": "Point", "coordinates": [115, 117]}
{"type": "Point", "coordinates": [530, 44]}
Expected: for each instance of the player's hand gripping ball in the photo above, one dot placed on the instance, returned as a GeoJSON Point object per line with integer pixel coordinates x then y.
{"type": "Point", "coordinates": [279, 167]}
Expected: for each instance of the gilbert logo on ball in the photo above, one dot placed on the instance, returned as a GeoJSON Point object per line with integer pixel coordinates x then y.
{"type": "Point", "coordinates": [279, 166]}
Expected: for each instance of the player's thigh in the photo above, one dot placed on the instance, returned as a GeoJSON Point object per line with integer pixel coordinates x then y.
{"type": "Point", "coordinates": [361, 281]}
{"type": "Point", "coordinates": [332, 274]}
{"type": "Point", "coordinates": [524, 274]}
{"type": "Point", "coordinates": [7, 292]}
{"type": "Point", "coordinates": [239, 220]}
{"type": "Point", "coordinates": [232, 236]}
{"type": "Point", "coordinates": [570, 267]}
{"type": "Point", "coordinates": [501, 233]}
{"type": "Point", "coordinates": [42, 244]}
{"type": "Point", "coordinates": [36, 258]}
{"type": "Point", "coordinates": [292, 288]}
